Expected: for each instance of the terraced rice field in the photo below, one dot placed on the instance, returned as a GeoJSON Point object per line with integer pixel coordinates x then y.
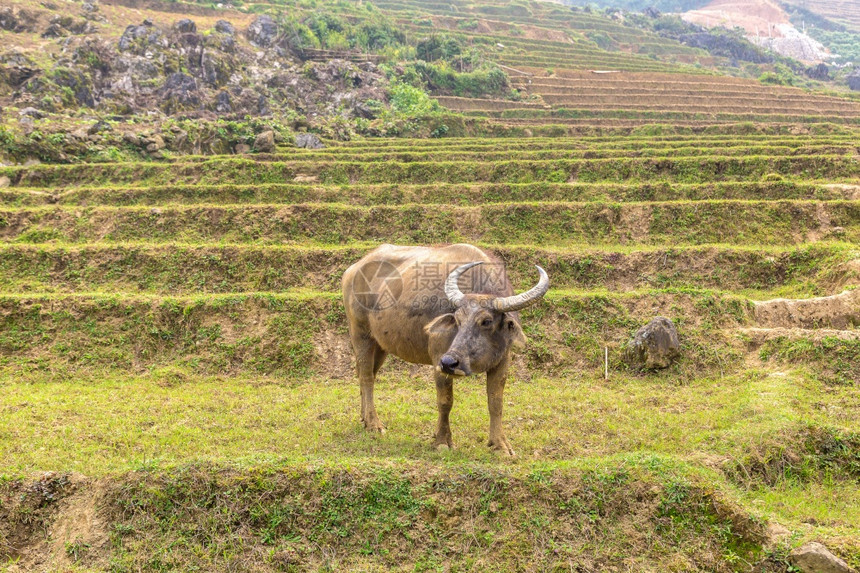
{"type": "Point", "coordinates": [587, 97]}
{"type": "Point", "coordinates": [842, 11]}
{"type": "Point", "coordinates": [161, 314]}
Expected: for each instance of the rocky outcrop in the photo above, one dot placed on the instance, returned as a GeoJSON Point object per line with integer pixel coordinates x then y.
{"type": "Point", "coordinates": [820, 72]}
{"type": "Point", "coordinates": [263, 32]}
{"type": "Point", "coordinates": [654, 346]}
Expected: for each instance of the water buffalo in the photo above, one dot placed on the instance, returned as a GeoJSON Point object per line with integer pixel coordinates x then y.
{"type": "Point", "coordinates": [406, 301]}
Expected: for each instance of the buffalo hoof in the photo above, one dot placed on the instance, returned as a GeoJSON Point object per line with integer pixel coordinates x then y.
{"type": "Point", "coordinates": [502, 446]}
{"type": "Point", "coordinates": [441, 445]}
{"type": "Point", "coordinates": [443, 442]}
{"type": "Point", "coordinates": [374, 427]}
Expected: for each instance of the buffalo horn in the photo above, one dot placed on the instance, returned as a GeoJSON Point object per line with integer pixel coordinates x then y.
{"type": "Point", "coordinates": [452, 290]}
{"type": "Point", "coordinates": [522, 300]}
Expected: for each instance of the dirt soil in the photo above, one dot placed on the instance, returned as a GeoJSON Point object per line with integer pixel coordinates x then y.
{"type": "Point", "coordinates": [754, 16]}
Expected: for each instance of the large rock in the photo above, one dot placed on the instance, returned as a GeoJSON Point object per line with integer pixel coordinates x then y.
{"type": "Point", "coordinates": [223, 103]}
{"type": "Point", "coordinates": [185, 26]}
{"type": "Point", "coordinates": [854, 80]}
{"type": "Point", "coordinates": [654, 346]}
{"type": "Point", "coordinates": [265, 142]}
{"type": "Point", "coordinates": [820, 72]}
{"type": "Point", "coordinates": [225, 27]}
{"type": "Point", "coordinates": [137, 38]}
{"type": "Point", "coordinates": [263, 31]}
{"type": "Point", "coordinates": [179, 91]}
{"type": "Point", "coordinates": [815, 558]}
{"type": "Point", "coordinates": [309, 141]}
{"type": "Point", "coordinates": [8, 19]}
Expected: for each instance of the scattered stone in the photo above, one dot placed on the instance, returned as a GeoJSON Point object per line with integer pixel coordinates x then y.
{"type": "Point", "coordinates": [155, 143]}
{"type": "Point", "coordinates": [4, 181]}
{"type": "Point", "coordinates": [263, 106]}
{"type": "Point", "coordinates": [54, 30]}
{"type": "Point", "coordinates": [131, 139]}
{"type": "Point", "coordinates": [654, 346]}
{"type": "Point", "coordinates": [262, 32]}
{"type": "Point", "coordinates": [81, 134]}
{"type": "Point", "coordinates": [816, 558]}
{"type": "Point", "coordinates": [309, 141]}
{"type": "Point", "coordinates": [265, 142]}
{"type": "Point", "coordinates": [242, 148]}
{"type": "Point", "coordinates": [225, 27]}
{"type": "Point", "coordinates": [27, 124]}
{"type": "Point", "coordinates": [185, 26]}
{"type": "Point", "coordinates": [98, 127]}
{"type": "Point", "coordinates": [155, 211]}
{"type": "Point", "coordinates": [8, 20]}
{"type": "Point", "coordinates": [180, 89]}
{"type": "Point", "coordinates": [222, 102]}
{"type": "Point", "coordinates": [32, 112]}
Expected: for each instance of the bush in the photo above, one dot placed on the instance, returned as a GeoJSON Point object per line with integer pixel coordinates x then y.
{"type": "Point", "coordinates": [411, 101]}
{"type": "Point", "coordinates": [438, 47]}
{"type": "Point", "coordinates": [442, 78]}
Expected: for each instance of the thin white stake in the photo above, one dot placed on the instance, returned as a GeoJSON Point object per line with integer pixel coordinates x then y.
{"type": "Point", "coordinates": [606, 363]}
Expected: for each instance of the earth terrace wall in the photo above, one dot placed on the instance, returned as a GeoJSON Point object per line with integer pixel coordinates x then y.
{"type": "Point", "coordinates": [241, 170]}
{"type": "Point", "coordinates": [671, 223]}
{"type": "Point", "coordinates": [304, 335]}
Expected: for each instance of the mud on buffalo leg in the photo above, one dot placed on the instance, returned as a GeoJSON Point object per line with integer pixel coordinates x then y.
{"type": "Point", "coordinates": [444, 401]}
{"type": "Point", "coordinates": [495, 399]}
{"type": "Point", "coordinates": [368, 358]}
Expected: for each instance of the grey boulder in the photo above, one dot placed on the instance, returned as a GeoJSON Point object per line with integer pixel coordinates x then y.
{"type": "Point", "coordinates": [308, 141]}
{"type": "Point", "coordinates": [816, 558]}
{"type": "Point", "coordinates": [654, 346]}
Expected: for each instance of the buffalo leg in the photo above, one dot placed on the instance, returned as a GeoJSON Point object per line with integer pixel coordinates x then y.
{"type": "Point", "coordinates": [368, 358]}
{"type": "Point", "coordinates": [444, 401]}
{"type": "Point", "coordinates": [495, 400]}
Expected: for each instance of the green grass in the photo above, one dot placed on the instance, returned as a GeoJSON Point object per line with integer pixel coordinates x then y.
{"type": "Point", "coordinates": [671, 442]}
{"type": "Point", "coordinates": [179, 417]}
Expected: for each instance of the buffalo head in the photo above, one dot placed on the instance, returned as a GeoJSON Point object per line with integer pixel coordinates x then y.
{"type": "Point", "coordinates": [481, 330]}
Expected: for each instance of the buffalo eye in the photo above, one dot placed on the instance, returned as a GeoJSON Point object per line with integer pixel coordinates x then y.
{"type": "Point", "coordinates": [487, 322]}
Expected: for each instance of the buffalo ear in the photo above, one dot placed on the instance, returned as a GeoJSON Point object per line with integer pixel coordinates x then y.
{"type": "Point", "coordinates": [515, 331]}
{"type": "Point", "coordinates": [444, 324]}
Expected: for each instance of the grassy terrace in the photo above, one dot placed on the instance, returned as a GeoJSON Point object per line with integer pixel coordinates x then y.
{"type": "Point", "coordinates": [174, 331]}
{"type": "Point", "coordinates": [173, 343]}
